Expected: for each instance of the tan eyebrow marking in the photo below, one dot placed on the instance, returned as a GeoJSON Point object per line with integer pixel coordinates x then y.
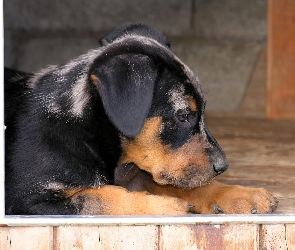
{"type": "Point", "coordinates": [192, 104]}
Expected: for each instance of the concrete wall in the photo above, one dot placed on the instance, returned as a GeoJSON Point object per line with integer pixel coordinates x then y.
{"type": "Point", "coordinates": [218, 39]}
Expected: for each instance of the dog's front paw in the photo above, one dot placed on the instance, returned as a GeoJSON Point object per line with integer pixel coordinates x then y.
{"type": "Point", "coordinates": [240, 200]}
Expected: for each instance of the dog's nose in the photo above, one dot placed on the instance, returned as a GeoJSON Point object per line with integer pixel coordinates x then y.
{"type": "Point", "coordinates": [219, 168]}
{"type": "Point", "coordinates": [216, 155]}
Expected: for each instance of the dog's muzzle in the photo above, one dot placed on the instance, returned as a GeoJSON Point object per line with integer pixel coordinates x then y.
{"type": "Point", "coordinates": [216, 155]}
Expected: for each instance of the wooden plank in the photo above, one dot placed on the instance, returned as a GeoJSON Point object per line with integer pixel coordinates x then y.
{"type": "Point", "coordinates": [281, 59]}
{"type": "Point", "coordinates": [290, 232]}
{"type": "Point", "coordinates": [259, 152]}
{"type": "Point", "coordinates": [26, 238]}
{"type": "Point", "coordinates": [238, 127]}
{"type": "Point", "coordinates": [273, 237]}
{"type": "Point", "coordinates": [130, 237]}
{"type": "Point", "coordinates": [213, 237]}
{"type": "Point", "coordinates": [185, 237]}
{"type": "Point", "coordinates": [106, 237]}
{"type": "Point", "coordinates": [76, 237]}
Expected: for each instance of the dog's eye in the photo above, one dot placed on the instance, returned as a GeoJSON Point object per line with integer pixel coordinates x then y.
{"type": "Point", "coordinates": [187, 116]}
{"type": "Point", "coordinates": [184, 115]}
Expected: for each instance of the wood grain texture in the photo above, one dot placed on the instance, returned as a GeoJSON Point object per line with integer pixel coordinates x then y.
{"type": "Point", "coordinates": [273, 237]}
{"type": "Point", "coordinates": [290, 232]}
{"type": "Point", "coordinates": [213, 237]}
{"type": "Point", "coordinates": [281, 59]}
{"type": "Point", "coordinates": [26, 238]}
{"type": "Point", "coordinates": [130, 237]}
{"type": "Point", "coordinates": [73, 237]}
{"type": "Point", "coordinates": [150, 237]}
{"type": "Point", "coordinates": [106, 237]}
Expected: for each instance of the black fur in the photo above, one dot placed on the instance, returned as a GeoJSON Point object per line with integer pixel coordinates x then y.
{"type": "Point", "coordinates": [63, 129]}
{"type": "Point", "coordinates": [134, 29]}
{"type": "Point", "coordinates": [133, 94]}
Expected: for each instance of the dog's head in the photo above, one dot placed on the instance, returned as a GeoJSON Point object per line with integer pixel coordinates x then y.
{"type": "Point", "coordinates": [157, 104]}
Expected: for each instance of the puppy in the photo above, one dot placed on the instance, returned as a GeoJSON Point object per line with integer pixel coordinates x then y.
{"type": "Point", "coordinates": [130, 107]}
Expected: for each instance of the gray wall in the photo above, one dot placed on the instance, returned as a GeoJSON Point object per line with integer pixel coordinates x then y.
{"type": "Point", "coordinates": [218, 39]}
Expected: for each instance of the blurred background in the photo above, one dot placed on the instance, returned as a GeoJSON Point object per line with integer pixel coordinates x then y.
{"type": "Point", "coordinates": [220, 40]}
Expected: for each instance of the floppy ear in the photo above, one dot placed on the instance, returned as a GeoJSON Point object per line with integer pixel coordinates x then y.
{"type": "Point", "coordinates": [125, 83]}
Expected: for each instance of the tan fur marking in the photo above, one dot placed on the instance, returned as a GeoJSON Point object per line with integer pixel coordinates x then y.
{"type": "Point", "coordinates": [192, 104]}
{"type": "Point", "coordinates": [231, 199]}
{"type": "Point", "coordinates": [95, 80]}
{"type": "Point", "coordinates": [213, 198]}
{"type": "Point", "coordinates": [69, 193]}
{"type": "Point", "coordinates": [114, 200]}
{"type": "Point", "coordinates": [187, 166]}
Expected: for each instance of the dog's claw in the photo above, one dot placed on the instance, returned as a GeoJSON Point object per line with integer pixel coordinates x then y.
{"type": "Point", "coordinates": [190, 207]}
{"type": "Point", "coordinates": [254, 211]}
{"type": "Point", "coordinates": [277, 200]}
{"type": "Point", "coordinates": [272, 204]}
{"type": "Point", "coordinates": [217, 209]}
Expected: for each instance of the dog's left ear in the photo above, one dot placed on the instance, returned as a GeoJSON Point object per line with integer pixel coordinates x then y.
{"type": "Point", "coordinates": [125, 83]}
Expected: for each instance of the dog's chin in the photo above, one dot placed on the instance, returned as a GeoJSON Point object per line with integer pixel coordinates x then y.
{"type": "Point", "coordinates": [184, 182]}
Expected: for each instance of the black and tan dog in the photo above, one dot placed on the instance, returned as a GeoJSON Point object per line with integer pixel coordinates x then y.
{"type": "Point", "coordinates": [119, 130]}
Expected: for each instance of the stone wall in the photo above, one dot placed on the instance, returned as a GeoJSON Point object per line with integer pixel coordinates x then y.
{"type": "Point", "coordinates": [218, 39]}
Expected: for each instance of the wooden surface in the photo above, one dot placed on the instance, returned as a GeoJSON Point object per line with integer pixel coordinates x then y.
{"type": "Point", "coordinates": [107, 237]}
{"type": "Point", "coordinates": [261, 153]}
{"type": "Point", "coordinates": [184, 237]}
{"type": "Point", "coordinates": [281, 59]}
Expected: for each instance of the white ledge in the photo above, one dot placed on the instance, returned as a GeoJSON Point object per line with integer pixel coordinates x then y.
{"type": "Point", "coordinates": [146, 220]}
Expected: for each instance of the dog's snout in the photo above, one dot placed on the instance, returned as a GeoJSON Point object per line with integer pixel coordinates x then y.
{"type": "Point", "coordinates": [216, 155]}
{"type": "Point", "coordinates": [219, 168]}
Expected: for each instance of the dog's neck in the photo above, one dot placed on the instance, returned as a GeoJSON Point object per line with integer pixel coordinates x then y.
{"type": "Point", "coordinates": [69, 100]}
